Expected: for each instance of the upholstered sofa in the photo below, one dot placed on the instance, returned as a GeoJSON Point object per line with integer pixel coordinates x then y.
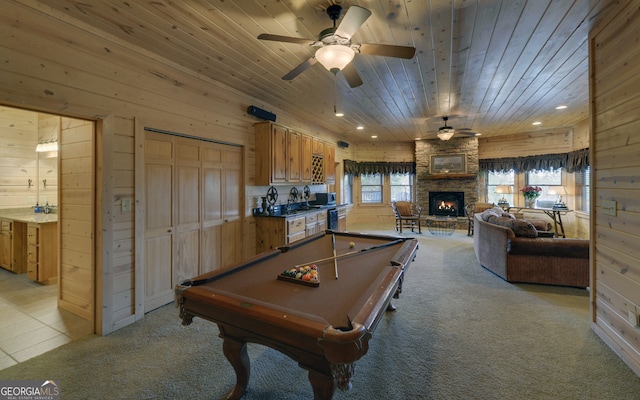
{"type": "Point", "coordinates": [527, 258]}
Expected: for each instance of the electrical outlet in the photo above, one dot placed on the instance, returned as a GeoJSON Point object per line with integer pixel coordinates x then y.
{"type": "Point", "coordinates": [126, 204]}
{"type": "Point", "coordinates": [609, 207]}
{"type": "Point", "coordinates": [633, 319]}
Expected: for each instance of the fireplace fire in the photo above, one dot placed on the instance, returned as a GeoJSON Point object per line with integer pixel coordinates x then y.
{"type": "Point", "coordinates": [446, 204]}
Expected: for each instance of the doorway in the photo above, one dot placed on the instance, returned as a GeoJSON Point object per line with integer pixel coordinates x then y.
{"type": "Point", "coordinates": [42, 317]}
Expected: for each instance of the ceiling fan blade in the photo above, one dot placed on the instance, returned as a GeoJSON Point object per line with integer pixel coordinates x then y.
{"type": "Point", "coordinates": [387, 50]}
{"type": "Point", "coordinates": [466, 133]}
{"type": "Point", "coordinates": [351, 75]}
{"type": "Point", "coordinates": [299, 69]}
{"type": "Point", "coordinates": [288, 39]}
{"type": "Point", "coordinates": [353, 19]}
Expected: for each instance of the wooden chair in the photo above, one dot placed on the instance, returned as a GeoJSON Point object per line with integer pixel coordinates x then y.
{"type": "Point", "coordinates": [472, 208]}
{"type": "Point", "coordinates": [407, 215]}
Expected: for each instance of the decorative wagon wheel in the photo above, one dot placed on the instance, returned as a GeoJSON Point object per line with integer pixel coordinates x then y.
{"type": "Point", "coordinates": [293, 194]}
{"type": "Point", "coordinates": [272, 195]}
{"type": "Point", "coordinates": [307, 192]}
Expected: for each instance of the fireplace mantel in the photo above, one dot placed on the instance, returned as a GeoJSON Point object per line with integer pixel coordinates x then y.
{"type": "Point", "coordinates": [451, 176]}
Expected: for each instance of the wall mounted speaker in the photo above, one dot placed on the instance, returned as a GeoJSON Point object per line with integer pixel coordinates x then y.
{"type": "Point", "coordinates": [260, 113]}
{"type": "Point", "coordinates": [343, 145]}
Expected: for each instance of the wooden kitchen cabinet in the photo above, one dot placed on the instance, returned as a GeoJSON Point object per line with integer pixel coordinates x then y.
{"type": "Point", "coordinates": [12, 246]}
{"type": "Point", "coordinates": [329, 163]}
{"type": "Point", "coordinates": [42, 252]}
{"type": "Point", "coordinates": [284, 156]}
{"type": "Point", "coordinates": [342, 219]}
{"type": "Point", "coordinates": [294, 156]}
{"type": "Point", "coordinates": [306, 157]}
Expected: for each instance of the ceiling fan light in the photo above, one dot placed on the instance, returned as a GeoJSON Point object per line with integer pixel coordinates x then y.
{"type": "Point", "coordinates": [335, 56]}
{"type": "Point", "coordinates": [445, 134]}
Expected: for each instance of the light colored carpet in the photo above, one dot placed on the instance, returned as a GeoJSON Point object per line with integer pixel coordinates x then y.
{"type": "Point", "coordinates": [460, 332]}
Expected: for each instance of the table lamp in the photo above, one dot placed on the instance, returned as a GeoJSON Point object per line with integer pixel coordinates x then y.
{"type": "Point", "coordinates": [559, 191]}
{"type": "Point", "coordinates": [503, 189]}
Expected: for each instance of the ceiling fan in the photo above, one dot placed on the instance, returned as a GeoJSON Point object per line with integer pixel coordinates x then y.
{"type": "Point", "coordinates": [446, 132]}
{"type": "Point", "coordinates": [335, 50]}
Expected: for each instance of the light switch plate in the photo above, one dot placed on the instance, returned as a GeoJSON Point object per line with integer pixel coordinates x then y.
{"type": "Point", "coordinates": [633, 318]}
{"type": "Point", "coordinates": [126, 204]}
{"type": "Point", "coordinates": [609, 207]}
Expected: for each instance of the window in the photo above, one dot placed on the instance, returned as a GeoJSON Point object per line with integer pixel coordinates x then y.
{"type": "Point", "coordinates": [348, 189]}
{"type": "Point", "coordinates": [371, 187]}
{"type": "Point", "coordinates": [495, 179]}
{"type": "Point", "coordinates": [545, 179]}
{"type": "Point", "coordinates": [583, 190]}
{"type": "Point", "coordinates": [401, 187]}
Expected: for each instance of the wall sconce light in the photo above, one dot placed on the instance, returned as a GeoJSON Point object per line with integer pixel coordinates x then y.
{"type": "Point", "coordinates": [49, 145]}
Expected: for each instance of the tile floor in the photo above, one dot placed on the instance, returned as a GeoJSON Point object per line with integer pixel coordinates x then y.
{"type": "Point", "coordinates": [30, 321]}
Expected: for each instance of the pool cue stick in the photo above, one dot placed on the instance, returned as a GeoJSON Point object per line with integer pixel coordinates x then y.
{"type": "Point", "coordinates": [376, 247]}
{"type": "Point", "coordinates": [335, 259]}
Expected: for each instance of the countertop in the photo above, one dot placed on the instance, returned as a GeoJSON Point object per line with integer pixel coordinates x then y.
{"type": "Point", "coordinates": [39, 218]}
{"type": "Point", "coordinates": [301, 212]}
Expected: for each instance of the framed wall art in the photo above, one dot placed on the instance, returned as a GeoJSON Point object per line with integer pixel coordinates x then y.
{"type": "Point", "coordinates": [449, 164]}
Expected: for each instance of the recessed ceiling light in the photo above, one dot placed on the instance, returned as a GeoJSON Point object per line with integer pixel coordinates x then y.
{"type": "Point", "coordinates": [561, 107]}
{"type": "Point", "coordinates": [339, 114]}
{"type": "Point", "coordinates": [360, 127]}
{"type": "Point", "coordinates": [537, 123]}
{"type": "Point", "coordinates": [374, 137]}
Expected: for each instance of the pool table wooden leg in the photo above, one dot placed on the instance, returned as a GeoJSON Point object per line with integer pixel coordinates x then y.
{"type": "Point", "coordinates": [236, 353]}
{"type": "Point", "coordinates": [323, 386]}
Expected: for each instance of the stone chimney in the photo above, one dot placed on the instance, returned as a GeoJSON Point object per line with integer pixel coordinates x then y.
{"type": "Point", "coordinates": [466, 181]}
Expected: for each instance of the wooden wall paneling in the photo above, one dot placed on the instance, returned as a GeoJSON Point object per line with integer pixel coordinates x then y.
{"type": "Point", "coordinates": [76, 292]}
{"type": "Point", "coordinates": [18, 159]}
{"type": "Point", "coordinates": [614, 149]}
{"type": "Point", "coordinates": [120, 280]}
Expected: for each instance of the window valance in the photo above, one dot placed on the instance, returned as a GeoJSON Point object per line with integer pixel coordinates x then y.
{"type": "Point", "coordinates": [573, 161]}
{"type": "Point", "coordinates": [378, 167]}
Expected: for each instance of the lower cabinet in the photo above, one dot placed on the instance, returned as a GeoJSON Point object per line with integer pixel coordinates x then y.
{"type": "Point", "coordinates": [12, 246]}
{"type": "Point", "coordinates": [273, 232]}
{"type": "Point", "coordinates": [42, 252]}
{"type": "Point", "coordinates": [342, 219]}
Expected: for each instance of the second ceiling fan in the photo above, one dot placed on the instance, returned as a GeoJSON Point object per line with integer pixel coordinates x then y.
{"type": "Point", "coordinates": [446, 132]}
{"type": "Point", "coordinates": [335, 50]}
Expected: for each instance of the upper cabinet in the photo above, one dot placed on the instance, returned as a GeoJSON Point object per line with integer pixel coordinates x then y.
{"type": "Point", "coordinates": [329, 163]}
{"type": "Point", "coordinates": [284, 155]}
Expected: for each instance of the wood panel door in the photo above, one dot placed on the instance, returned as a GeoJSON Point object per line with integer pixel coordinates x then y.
{"type": "Point", "coordinates": [158, 237]}
{"type": "Point", "coordinates": [233, 200]}
{"type": "Point", "coordinates": [212, 216]}
{"type": "Point", "coordinates": [187, 194]}
{"type": "Point", "coordinates": [194, 202]}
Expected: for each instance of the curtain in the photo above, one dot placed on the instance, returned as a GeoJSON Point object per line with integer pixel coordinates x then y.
{"type": "Point", "coordinates": [378, 167]}
{"type": "Point", "coordinates": [572, 162]}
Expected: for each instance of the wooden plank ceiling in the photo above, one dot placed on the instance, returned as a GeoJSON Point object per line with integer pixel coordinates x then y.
{"type": "Point", "coordinates": [494, 66]}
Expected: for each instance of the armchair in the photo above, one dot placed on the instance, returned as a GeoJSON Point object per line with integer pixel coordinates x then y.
{"type": "Point", "coordinates": [473, 208]}
{"type": "Point", "coordinates": [407, 215]}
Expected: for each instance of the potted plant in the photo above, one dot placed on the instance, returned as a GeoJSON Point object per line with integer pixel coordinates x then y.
{"type": "Point", "coordinates": [530, 193]}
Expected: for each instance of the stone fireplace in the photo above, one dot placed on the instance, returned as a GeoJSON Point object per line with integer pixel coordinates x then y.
{"type": "Point", "coordinates": [447, 204]}
{"type": "Point", "coordinates": [464, 184]}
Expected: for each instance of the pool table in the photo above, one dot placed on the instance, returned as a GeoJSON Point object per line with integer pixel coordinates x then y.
{"type": "Point", "coordinates": [325, 328]}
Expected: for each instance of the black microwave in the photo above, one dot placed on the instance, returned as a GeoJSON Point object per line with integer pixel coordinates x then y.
{"type": "Point", "coordinates": [325, 198]}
